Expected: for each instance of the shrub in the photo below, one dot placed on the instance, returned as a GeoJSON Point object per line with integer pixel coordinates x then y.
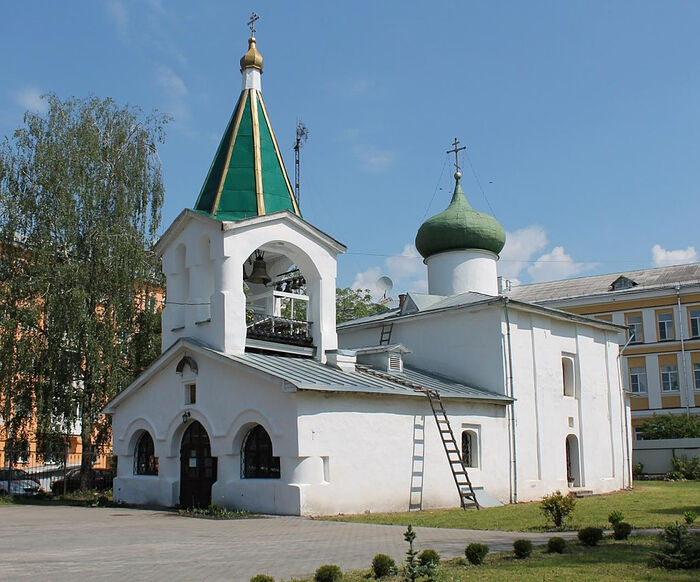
{"type": "Point", "coordinates": [637, 469]}
{"type": "Point", "coordinates": [687, 468]}
{"type": "Point", "coordinates": [328, 573]}
{"type": "Point", "coordinates": [616, 517]}
{"type": "Point", "coordinates": [671, 426]}
{"type": "Point", "coordinates": [383, 565]}
{"type": "Point", "coordinates": [690, 517]}
{"type": "Point", "coordinates": [590, 536]}
{"type": "Point", "coordinates": [428, 557]}
{"type": "Point", "coordinates": [556, 545]}
{"type": "Point", "coordinates": [262, 578]}
{"type": "Point", "coordinates": [522, 549]}
{"type": "Point", "coordinates": [622, 530]}
{"type": "Point", "coordinates": [678, 550]}
{"type": "Point", "coordinates": [411, 568]}
{"type": "Point", "coordinates": [557, 507]}
{"type": "Point", "coordinates": [476, 553]}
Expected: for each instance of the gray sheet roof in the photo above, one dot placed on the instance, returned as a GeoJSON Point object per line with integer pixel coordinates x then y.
{"type": "Point", "coordinates": [308, 374]}
{"type": "Point", "coordinates": [600, 284]}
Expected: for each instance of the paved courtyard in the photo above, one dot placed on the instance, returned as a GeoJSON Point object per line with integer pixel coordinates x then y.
{"type": "Point", "coordinates": [75, 543]}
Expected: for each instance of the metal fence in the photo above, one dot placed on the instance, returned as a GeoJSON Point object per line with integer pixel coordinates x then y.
{"type": "Point", "coordinates": [28, 471]}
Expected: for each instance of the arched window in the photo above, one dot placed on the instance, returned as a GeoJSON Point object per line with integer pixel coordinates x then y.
{"type": "Point", "coordinates": [568, 376]}
{"type": "Point", "coordinates": [145, 460]}
{"type": "Point", "coordinates": [469, 449]}
{"type": "Point", "coordinates": [257, 460]}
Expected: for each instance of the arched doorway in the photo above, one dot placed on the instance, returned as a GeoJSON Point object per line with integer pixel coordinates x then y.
{"type": "Point", "coordinates": [573, 466]}
{"type": "Point", "coordinates": [197, 467]}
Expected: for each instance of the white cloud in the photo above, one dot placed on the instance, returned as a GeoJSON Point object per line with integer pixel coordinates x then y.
{"type": "Point", "coordinates": [175, 92]}
{"type": "Point", "coordinates": [373, 159]}
{"type": "Point", "coordinates": [170, 81]}
{"type": "Point", "coordinates": [120, 17]}
{"type": "Point", "coordinates": [406, 270]}
{"type": "Point", "coordinates": [663, 258]}
{"type": "Point", "coordinates": [556, 265]}
{"type": "Point", "coordinates": [30, 99]}
{"type": "Point", "coordinates": [520, 247]}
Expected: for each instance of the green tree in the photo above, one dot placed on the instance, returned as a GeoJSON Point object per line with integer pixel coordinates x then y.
{"type": "Point", "coordinates": [80, 198]}
{"type": "Point", "coordinates": [671, 426]}
{"type": "Point", "coordinates": [354, 303]}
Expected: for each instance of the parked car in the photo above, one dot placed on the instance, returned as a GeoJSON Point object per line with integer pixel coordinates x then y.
{"type": "Point", "coordinates": [98, 479]}
{"type": "Point", "coordinates": [18, 482]}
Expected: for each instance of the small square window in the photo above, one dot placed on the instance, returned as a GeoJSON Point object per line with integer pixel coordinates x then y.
{"type": "Point", "coordinates": [190, 393]}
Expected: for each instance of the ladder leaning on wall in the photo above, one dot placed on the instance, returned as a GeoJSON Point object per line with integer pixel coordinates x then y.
{"type": "Point", "coordinates": [467, 497]}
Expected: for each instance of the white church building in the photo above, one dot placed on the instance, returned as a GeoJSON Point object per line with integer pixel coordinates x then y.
{"type": "Point", "coordinates": [258, 401]}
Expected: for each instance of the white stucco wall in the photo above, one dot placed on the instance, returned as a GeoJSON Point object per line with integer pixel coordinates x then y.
{"type": "Point", "coordinates": [455, 272]}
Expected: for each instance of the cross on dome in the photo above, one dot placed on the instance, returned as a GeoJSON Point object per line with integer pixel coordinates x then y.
{"type": "Point", "coordinates": [455, 151]}
{"type": "Point", "coordinates": [251, 23]}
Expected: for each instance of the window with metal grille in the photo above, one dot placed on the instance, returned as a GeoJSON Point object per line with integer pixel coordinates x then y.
{"type": "Point", "coordinates": [145, 460]}
{"type": "Point", "coordinates": [469, 449]}
{"type": "Point", "coordinates": [257, 459]}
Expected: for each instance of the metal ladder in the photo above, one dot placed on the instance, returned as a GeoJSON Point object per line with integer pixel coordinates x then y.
{"type": "Point", "coordinates": [467, 497]}
{"type": "Point", "coordinates": [385, 334]}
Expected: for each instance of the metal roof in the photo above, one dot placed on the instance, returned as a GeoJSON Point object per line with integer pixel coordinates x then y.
{"type": "Point", "coordinates": [308, 374]}
{"type": "Point", "coordinates": [645, 279]}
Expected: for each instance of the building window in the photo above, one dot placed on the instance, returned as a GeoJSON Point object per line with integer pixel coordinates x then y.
{"type": "Point", "coordinates": [635, 328]}
{"type": "Point", "coordinates": [665, 321]}
{"type": "Point", "coordinates": [638, 380]}
{"type": "Point", "coordinates": [145, 460]}
{"type": "Point", "coordinates": [190, 393]}
{"type": "Point", "coordinates": [696, 375]}
{"type": "Point", "coordinates": [669, 378]}
{"type": "Point", "coordinates": [257, 460]}
{"type": "Point", "coordinates": [568, 377]}
{"type": "Point", "coordinates": [695, 322]}
{"type": "Point", "coordinates": [638, 433]}
{"type": "Point", "coordinates": [469, 449]}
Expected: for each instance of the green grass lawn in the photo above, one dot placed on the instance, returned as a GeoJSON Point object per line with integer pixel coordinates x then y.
{"type": "Point", "coordinates": [649, 504]}
{"type": "Point", "coordinates": [611, 561]}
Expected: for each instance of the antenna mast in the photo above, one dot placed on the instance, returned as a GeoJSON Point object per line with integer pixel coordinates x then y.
{"type": "Point", "coordinates": [302, 136]}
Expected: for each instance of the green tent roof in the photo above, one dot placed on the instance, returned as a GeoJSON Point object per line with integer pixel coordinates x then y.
{"type": "Point", "coordinates": [247, 177]}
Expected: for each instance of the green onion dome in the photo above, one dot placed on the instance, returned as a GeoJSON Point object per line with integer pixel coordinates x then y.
{"type": "Point", "coordinates": [459, 227]}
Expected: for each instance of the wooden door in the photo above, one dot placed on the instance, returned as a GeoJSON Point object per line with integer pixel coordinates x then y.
{"type": "Point", "coordinates": [197, 467]}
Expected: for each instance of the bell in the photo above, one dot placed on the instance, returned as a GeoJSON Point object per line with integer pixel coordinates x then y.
{"type": "Point", "coordinates": [259, 272]}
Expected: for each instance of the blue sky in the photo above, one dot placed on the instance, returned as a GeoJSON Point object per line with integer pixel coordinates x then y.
{"type": "Point", "coordinates": [582, 120]}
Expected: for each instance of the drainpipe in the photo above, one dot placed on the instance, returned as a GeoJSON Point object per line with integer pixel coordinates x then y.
{"type": "Point", "coordinates": [628, 464]}
{"type": "Point", "coordinates": [686, 381]}
{"type": "Point", "coordinates": [509, 381]}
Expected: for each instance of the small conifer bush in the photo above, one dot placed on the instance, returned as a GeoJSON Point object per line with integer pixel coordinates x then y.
{"type": "Point", "coordinates": [328, 573]}
{"type": "Point", "coordinates": [262, 578]}
{"type": "Point", "coordinates": [428, 557]}
{"type": "Point", "coordinates": [556, 545]}
{"type": "Point", "coordinates": [622, 530]}
{"type": "Point", "coordinates": [690, 517]}
{"type": "Point", "coordinates": [522, 549]}
{"type": "Point", "coordinates": [383, 565]}
{"type": "Point", "coordinates": [476, 553]}
{"type": "Point", "coordinates": [590, 536]}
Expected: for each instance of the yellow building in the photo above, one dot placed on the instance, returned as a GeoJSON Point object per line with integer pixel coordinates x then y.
{"type": "Point", "coordinates": [660, 364]}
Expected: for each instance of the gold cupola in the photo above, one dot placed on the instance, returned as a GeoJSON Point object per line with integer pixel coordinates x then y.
{"type": "Point", "coordinates": [252, 58]}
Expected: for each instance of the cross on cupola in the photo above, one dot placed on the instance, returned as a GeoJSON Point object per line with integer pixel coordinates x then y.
{"type": "Point", "coordinates": [251, 23]}
{"type": "Point", "coordinates": [455, 151]}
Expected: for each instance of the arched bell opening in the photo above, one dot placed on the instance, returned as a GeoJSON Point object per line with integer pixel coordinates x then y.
{"type": "Point", "coordinates": [278, 301]}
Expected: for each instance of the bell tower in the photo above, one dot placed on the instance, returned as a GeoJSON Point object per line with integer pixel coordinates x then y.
{"type": "Point", "coordinates": [244, 270]}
